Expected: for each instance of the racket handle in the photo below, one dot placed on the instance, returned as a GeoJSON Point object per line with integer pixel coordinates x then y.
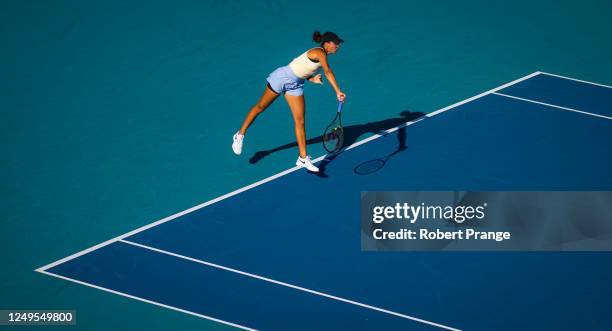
{"type": "Point", "coordinates": [340, 106]}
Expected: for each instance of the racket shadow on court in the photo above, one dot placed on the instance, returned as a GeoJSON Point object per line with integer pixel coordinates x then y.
{"type": "Point", "coordinates": [351, 134]}
{"type": "Point", "coordinates": [374, 165]}
{"type": "Point", "coordinates": [370, 166]}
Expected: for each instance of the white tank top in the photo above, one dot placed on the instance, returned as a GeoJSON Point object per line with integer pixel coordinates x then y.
{"type": "Point", "coordinates": [304, 67]}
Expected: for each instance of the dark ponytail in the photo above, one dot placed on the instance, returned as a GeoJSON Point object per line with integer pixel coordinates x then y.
{"type": "Point", "coordinates": [316, 37]}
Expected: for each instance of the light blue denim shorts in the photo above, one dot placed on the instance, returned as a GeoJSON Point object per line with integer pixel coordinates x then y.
{"type": "Point", "coordinates": [283, 80]}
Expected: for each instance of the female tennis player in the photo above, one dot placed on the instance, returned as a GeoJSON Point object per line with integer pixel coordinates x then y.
{"type": "Point", "coordinates": [289, 80]}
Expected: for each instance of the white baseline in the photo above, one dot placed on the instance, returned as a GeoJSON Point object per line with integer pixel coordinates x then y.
{"type": "Point", "coordinates": [273, 177]}
{"type": "Point", "coordinates": [44, 268]}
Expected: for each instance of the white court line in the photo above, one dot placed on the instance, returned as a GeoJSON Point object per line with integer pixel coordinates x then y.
{"type": "Point", "coordinates": [146, 300]}
{"type": "Point", "coordinates": [295, 287]}
{"type": "Point", "coordinates": [166, 219]}
{"type": "Point", "coordinates": [551, 105]}
{"type": "Point", "coordinates": [574, 79]}
{"type": "Point", "coordinates": [265, 180]}
{"type": "Point", "coordinates": [439, 111]}
{"type": "Point", "coordinates": [44, 268]}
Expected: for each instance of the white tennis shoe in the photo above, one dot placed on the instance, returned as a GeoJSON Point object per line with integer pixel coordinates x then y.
{"type": "Point", "coordinates": [237, 144]}
{"type": "Point", "coordinates": [306, 163]}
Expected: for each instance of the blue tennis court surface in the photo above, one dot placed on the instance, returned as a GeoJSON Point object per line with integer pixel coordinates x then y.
{"type": "Point", "coordinates": [285, 253]}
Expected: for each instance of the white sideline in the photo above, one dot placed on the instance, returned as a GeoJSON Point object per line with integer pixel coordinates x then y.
{"type": "Point", "coordinates": [574, 79]}
{"type": "Point", "coordinates": [551, 105]}
{"type": "Point", "coordinates": [146, 300]}
{"type": "Point", "coordinates": [295, 287]}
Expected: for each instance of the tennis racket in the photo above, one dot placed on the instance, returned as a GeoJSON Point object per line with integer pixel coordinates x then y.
{"type": "Point", "coordinates": [333, 137]}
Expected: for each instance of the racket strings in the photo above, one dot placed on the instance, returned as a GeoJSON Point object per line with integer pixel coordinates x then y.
{"type": "Point", "coordinates": [333, 139]}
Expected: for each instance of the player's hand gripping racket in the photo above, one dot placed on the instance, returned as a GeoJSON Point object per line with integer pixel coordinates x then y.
{"type": "Point", "coordinates": [333, 137]}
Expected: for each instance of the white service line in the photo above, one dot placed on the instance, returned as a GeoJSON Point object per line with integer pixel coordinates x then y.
{"type": "Point", "coordinates": [295, 287]}
{"type": "Point", "coordinates": [574, 79]}
{"type": "Point", "coordinates": [146, 300]}
{"type": "Point", "coordinates": [265, 180]}
{"type": "Point", "coordinates": [551, 105]}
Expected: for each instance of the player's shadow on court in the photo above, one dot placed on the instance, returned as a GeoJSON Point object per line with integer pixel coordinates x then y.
{"type": "Point", "coordinates": [351, 135]}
